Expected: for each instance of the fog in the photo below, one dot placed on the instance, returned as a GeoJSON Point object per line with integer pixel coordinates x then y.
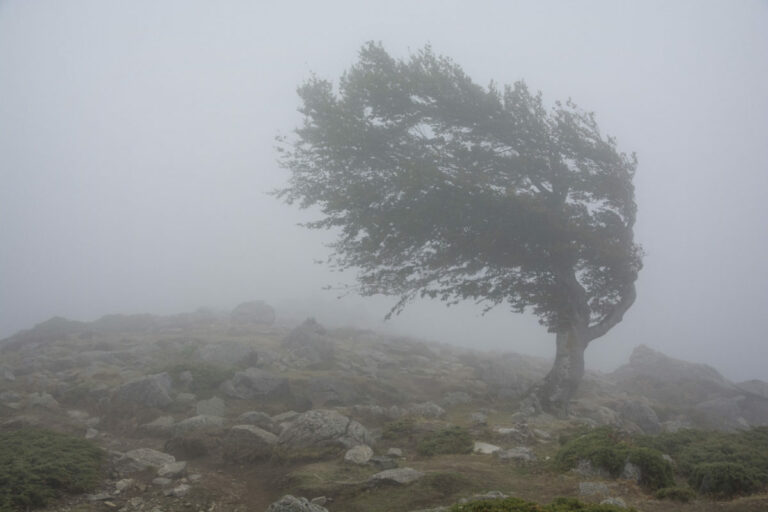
{"type": "Point", "coordinates": [137, 153]}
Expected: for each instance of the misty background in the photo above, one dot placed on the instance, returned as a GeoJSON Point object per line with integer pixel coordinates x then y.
{"type": "Point", "coordinates": [137, 153]}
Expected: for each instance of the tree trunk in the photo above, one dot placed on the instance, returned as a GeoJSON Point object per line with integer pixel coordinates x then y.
{"type": "Point", "coordinates": [554, 394]}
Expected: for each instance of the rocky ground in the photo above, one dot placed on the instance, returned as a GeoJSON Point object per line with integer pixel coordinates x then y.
{"type": "Point", "coordinates": [209, 412]}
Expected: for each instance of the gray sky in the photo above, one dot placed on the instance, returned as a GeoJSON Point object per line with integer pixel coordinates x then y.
{"type": "Point", "coordinates": [136, 150]}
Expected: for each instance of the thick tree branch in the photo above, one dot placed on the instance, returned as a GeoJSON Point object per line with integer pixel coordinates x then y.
{"type": "Point", "coordinates": [615, 316]}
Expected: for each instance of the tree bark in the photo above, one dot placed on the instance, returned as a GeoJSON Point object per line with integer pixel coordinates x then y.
{"type": "Point", "coordinates": [554, 394]}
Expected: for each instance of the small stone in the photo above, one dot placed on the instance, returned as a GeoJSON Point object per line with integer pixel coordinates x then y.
{"type": "Point", "coordinates": [617, 502]}
{"type": "Point", "coordinates": [631, 472]}
{"type": "Point", "coordinates": [383, 462]}
{"type": "Point", "coordinates": [359, 454]}
{"type": "Point", "coordinates": [485, 448]}
{"type": "Point", "coordinates": [172, 470]}
{"type": "Point", "coordinates": [179, 491]}
{"type": "Point", "coordinates": [162, 481]}
{"type": "Point", "coordinates": [592, 488]}
{"type": "Point", "coordinates": [212, 407]}
{"type": "Point", "coordinates": [400, 476]}
{"type": "Point", "coordinates": [395, 452]}
{"type": "Point", "coordinates": [125, 483]}
{"type": "Point", "coordinates": [521, 453]}
{"type": "Point", "coordinates": [478, 419]}
{"type": "Point", "coordinates": [320, 500]}
{"type": "Point", "coordinates": [91, 433]}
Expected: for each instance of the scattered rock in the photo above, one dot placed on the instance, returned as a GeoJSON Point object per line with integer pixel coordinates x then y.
{"type": "Point", "coordinates": [290, 503]}
{"type": "Point", "coordinates": [399, 476]}
{"type": "Point", "coordinates": [616, 502]}
{"type": "Point", "coordinates": [631, 472]}
{"type": "Point", "coordinates": [478, 419]}
{"type": "Point", "coordinates": [485, 448]}
{"type": "Point", "coordinates": [256, 383]}
{"type": "Point", "coordinates": [162, 481]}
{"type": "Point", "coordinates": [179, 491]}
{"type": "Point", "coordinates": [382, 462]}
{"type": "Point", "coordinates": [641, 414]}
{"type": "Point", "coordinates": [150, 391]}
{"type": "Point", "coordinates": [160, 427]}
{"type": "Point", "coordinates": [585, 468]}
{"type": "Point", "coordinates": [172, 470]}
{"type": "Point", "coordinates": [197, 423]}
{"type": "Point", "coordinates": [125, 483]}
{"type": "Point", "coordinates": [228, 353]}
{"type": "Point", "coordinates": [248, 443]}
{"type": "Point", "coordinates": [592, 488]}
{"type": "Point", "coordinates": [43, 400]}
{"type": "Point", "coordinates": [140, 459]}
{"type": "Point", "coordinates": [91, 433]}
{"type": "Point", "coordinates": [309, 345]}
{"type": "Point", "coordinates": [317, 432]}
{"type": "Point", "coordinates": [212, 407]}
{"type": "Point", "coordinates": [521, 453]}
{"type": "Point", "coordinates": [359, 454]}
{"type": "Point", "coordinates": [395, 452]}
{"type": "Point", "coordinates": [426, 410]}
{"type": "Point", "coordinates": [258, 419]}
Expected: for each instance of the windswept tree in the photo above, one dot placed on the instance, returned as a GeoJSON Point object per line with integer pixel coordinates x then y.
{"type": "Point", "coordinates": [438, 187]}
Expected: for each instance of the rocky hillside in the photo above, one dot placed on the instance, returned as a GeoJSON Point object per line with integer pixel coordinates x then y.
{"type": "Point", "coordinates": [204, 411]}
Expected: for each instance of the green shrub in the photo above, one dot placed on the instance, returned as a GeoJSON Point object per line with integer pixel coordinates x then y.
{"type": "Point", "coordinates": [448, 440]}
{"type": "Point", "coordinates": [655, 472]}
{"type": "Point", "coordinates": [724, 479]}
{"type": "Point", "coordinates": [681, 494]}
{"type": "Point", "coordinates": [610, 450]}
{"type": "Point", "coordinates": [38, 465]}
{"type": "Point", "coordinates": [518, 505]}
{"type": "Point", "coordinates": [401, 429]}
{"type": "Point", "coordinates": [721, 464]}
{"type": "Point", "coordinates": [604, 447]}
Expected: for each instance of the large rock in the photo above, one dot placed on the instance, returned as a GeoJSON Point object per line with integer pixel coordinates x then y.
{"type": "Point", "coordinates": [290, 503]}
{"type": "Point", "coordinates": [199, 422]}
{"type": "Point", "coordinates": [214, 406]}
{"type": "Point", "coordinates": [258, 419]}
{"type": "Point", "coordinates": [309, 344]}
{"type": "Point", "coordinates": [246, 443]}
{"type": "Point", "coordinates": [140, 459]}
{"type": "Point", "coordinates": [320, 433]}
{"type": "Point", "coordinates": [428, 410]}
{"type": "Point", "coordinates": [253, 313]}
{"type": "Point", "coordinates": [150, 391]}
{"type": "Point", "coordinates": [641, 414]}
{"type": "Point", "coordinates": [671, 381]}
{"type": "Point", "coordinates": [255, 383]}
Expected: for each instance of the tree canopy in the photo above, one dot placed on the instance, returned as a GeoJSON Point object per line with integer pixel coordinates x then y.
{"type": "Point", "coordinates": [439, 187]}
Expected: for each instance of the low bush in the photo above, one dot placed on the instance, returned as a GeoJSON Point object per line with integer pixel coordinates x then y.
{"type": "Point", "coordinates": [37, 466]}
{"type": "Point", "coordinates": [610, 450]}
{"type": "Point", "coordinates": [446, 441]}
{"type": "Point", "coordinates": [401, 429]}
{"type": "Point", "coordinates": [720, 464]}
{"type": "Point", "coordinates": [680, 494]}
{"type": "Point", "coordinates": [518, 505]}
{"type": "Point", "coordinates": [725, 479]}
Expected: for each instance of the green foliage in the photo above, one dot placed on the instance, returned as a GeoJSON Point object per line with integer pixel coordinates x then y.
{"type": "Point", "coordinates": [680, 494]}
{"type": "Point", "coordinates": [725, 479]}
{"type": "Point", "coordinates": [401, 429]}
{"type": "Point", "coordinates": [449, 440]}
{"type": "Point", "coordinates": [722, 464]}
{"type": "Point", "coordinates": [446, 484]}
{"type": "Point", "coordinates": [37, 465]}
{"type": "Point", "coordinates": [610, 450]}
{"type": "Point", "coordinates": [519, 505]}
{"type": "Point", "coordinates": [438, 187]}
{"type": "Point", "coordinates": [655, 472]}
{"type": "Point", "coordinates": [206, 377]}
